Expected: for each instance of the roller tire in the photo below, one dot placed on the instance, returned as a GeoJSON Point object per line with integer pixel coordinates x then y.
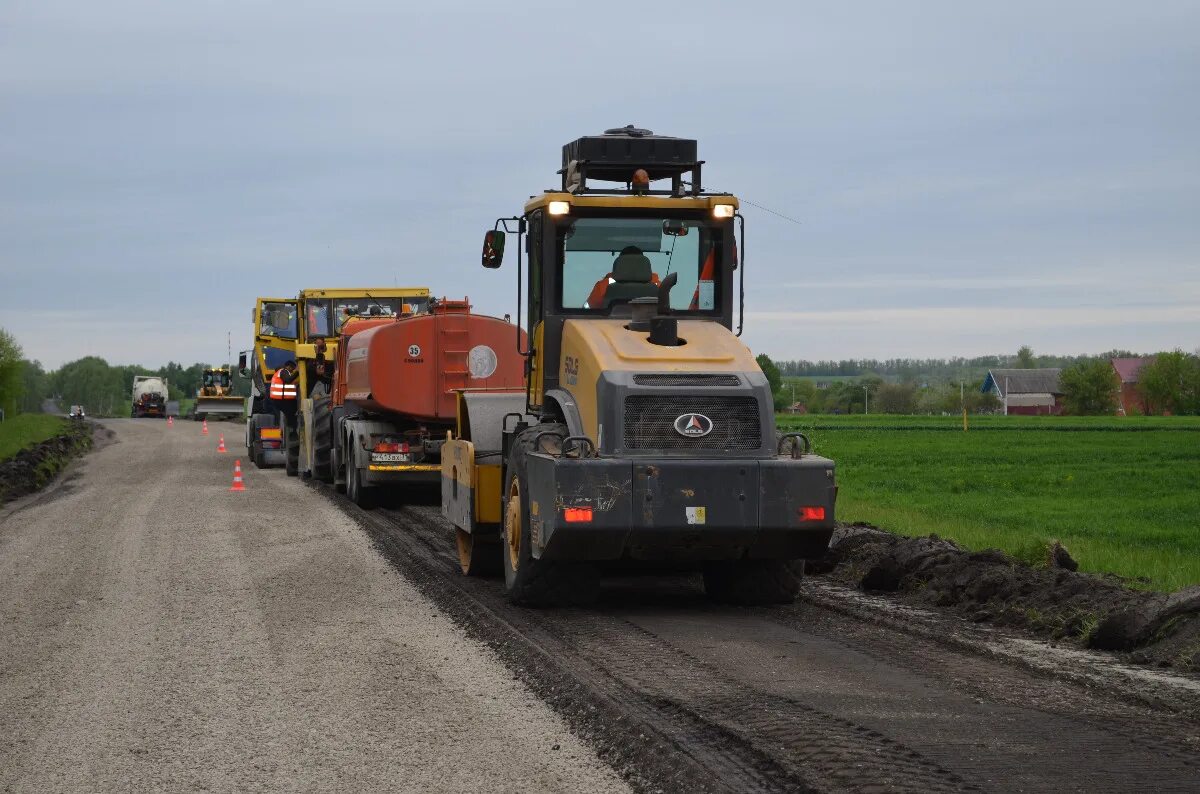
{"type": "Point", "coordinates": [528, 581]}
{"type": "Point", "coordinates": [753, 582]}
{"type": "Point", "coordinates": [322, 430]}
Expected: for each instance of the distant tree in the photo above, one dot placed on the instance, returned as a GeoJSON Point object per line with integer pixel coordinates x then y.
{"type": "Point", "coordinates": [92, 383]}
{"type": "Point", "coordinates": [1090, 388]}
{"type": "Point", "coordinates": [1025, 358]}
{"type": "Point", "coordinates": [11, 371]}
{"type": "Point", "coordinates": [1171, 383]}
{"type": "Point", "coordinates": [36, 386]}
{"type": "Point", "coordinates": [896, 398]}
{"type": "Point", "coordinates": [774, 380]}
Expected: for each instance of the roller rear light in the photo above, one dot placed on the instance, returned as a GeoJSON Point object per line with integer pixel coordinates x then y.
{"type": "Point", "coordinates": [811, 513]}
{"type": "Point", "coordinates": [391, 446]}
{"type": "Point", "coordinates": [575, 515]}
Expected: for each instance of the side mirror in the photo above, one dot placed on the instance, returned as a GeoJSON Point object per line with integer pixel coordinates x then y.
{"type": "Point", "coordinates": [242, 368]}
{"type": "Point", "coordinates": [674, 228]}
{"type": "Point", "coordinates": [493, 249]}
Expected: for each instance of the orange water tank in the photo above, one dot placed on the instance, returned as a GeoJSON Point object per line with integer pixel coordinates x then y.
{"type": "Point", "coordinates": [413, 365]}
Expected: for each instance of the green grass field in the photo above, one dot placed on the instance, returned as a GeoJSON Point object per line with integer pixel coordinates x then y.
{"type": "Point", "coordinates": [1122, 494]}
{"type": "Point", "coordinates": [23, 430]}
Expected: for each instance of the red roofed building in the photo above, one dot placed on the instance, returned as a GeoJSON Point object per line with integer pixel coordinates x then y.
{"type": "Point", "coordinates": [1131, 400]}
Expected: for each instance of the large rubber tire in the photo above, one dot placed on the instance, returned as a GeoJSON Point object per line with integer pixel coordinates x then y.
{"type": "Point", "coordinates": [361, 495]}
{"type": "Point", "coordinates": [291, 445]}
{"type": "Point", "coordinates": [256, 455]}
{"type": "Point", "coordinates": [528, 581]}
{"type": "Point", "coordinates": [322, 430]}
{"type": "Point", "coordinates": [753, 582]}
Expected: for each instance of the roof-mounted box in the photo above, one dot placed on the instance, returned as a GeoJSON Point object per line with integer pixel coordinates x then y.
{"type": "Point", "coordinates": [618, 153]}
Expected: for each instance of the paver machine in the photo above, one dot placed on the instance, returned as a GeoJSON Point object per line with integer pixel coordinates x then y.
{"type": "Point", "coordinates": [645, 429]}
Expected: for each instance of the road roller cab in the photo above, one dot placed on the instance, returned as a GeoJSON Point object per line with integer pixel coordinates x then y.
{"type": "Point", "coordinates": [647, 429]}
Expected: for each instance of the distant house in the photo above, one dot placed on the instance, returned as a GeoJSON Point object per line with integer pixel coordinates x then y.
{"type": "Point", "coordinates": [797, 408]}
{"type": "Point", "coordinates": [1131, 400]}
{"type": "Point", "coordinates": [1026, 391]}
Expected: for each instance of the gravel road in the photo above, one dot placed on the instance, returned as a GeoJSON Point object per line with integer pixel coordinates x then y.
{"type": "Point", "coordinates": [155, 633]}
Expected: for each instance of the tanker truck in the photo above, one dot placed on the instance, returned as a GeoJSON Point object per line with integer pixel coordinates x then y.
{"type": "Point", "coordinates": [149, 396]}
{"type": "Point", "coordinates": [396, 387]}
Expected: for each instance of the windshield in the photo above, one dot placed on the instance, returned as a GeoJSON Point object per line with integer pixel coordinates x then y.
{"type": "Point", "coordinates": [345, 308]}
{"type": "Point", "coordinates": [278, 319]}
{"type": "Point", "coordinates": [610, 261]}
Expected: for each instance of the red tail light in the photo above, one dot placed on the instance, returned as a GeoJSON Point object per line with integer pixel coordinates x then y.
{"type": "Point", "coordinates": [391, 446]}
{"type": "Point", "coordinates": [574, 515]}
{"type": "Point", "coordinates": [812, 513]}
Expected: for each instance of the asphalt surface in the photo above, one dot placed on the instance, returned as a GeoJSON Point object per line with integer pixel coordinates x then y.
{"type": "Point", "coordinates": [840, 692]}
{"type": "Point", "coordinates": [160, 632]}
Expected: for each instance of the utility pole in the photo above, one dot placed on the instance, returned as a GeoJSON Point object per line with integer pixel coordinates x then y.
{"type": "Point", "coordinates": [1006, 395]}
{"type": "Point", "coordinates": [864, 399]}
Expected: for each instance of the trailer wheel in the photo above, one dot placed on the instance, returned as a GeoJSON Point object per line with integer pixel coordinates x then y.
{"type": "Point", "coordinates": [753, 582]}
{"type": "Point", "coordinates": [291, 444]}
{"type": "Point", "coordinates": [528, 581]}
{"type": "Point", "coordinates": [256, 455]}
{"type": "Point", "coordinates": [322, 430]}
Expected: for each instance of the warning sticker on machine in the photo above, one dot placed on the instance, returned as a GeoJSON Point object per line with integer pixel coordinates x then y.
{"type": "Point", "coordinates": [705, 296]}
{"type": "Point", "coordinates": [695, 515]}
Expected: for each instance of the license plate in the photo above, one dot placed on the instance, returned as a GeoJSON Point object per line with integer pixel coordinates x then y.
{"type": "Point", "coordinates": [389, 457]}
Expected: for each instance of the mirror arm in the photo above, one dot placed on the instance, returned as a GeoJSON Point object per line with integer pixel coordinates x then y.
{"type": "Point", "coordinates": [741, 266]}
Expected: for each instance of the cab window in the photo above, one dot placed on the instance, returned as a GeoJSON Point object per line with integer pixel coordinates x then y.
{"type": "Point", "coordinates": [278, 320]}
{"type": "Point", "coordinates": [610, 261]}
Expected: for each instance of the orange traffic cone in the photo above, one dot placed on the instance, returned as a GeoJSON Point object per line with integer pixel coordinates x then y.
{"type": "Point", "coordinates": [170, 421]}
{"type": "Point", "coordinates": [204, 428]}
{"type": "Point", "coordinates": [221, 444]}
{"type": "Point", "coordinates": [238, 485]}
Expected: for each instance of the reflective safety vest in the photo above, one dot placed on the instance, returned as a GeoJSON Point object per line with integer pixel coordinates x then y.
{"type": "Point", "coordinates": [281, 390]}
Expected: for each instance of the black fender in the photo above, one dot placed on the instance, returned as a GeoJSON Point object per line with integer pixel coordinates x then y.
{"type": "Point", "coordinates": [562, 404]}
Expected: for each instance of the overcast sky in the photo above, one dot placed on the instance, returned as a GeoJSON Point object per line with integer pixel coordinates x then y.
{"type": "Point", "coordinates": [969, 178]}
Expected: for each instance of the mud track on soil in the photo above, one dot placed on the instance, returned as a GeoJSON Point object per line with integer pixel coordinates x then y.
{"type": "Point", "coordinates": [35, 467]}
{"type": "Point", "coordinates": [676, 693]}
{"type": "Point", "coordinates": [1084, 610]}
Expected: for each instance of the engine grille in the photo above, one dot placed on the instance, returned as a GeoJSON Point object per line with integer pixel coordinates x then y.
{"type": "Point", "coordinates": [650, 422]}
{"type": "Point", "coordinates": [686, 379]}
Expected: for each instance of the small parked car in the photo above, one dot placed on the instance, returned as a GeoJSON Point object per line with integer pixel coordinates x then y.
{"type": "Point", "coordinates": [77, 412]}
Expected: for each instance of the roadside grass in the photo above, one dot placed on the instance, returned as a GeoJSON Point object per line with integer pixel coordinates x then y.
{"type": "Point", "coordinates": [1122, 502]}
{"type": "Point", "coordinates": [24, 430]}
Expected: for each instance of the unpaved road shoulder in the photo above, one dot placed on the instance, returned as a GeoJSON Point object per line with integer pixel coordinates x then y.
{"type": "Point", "coordinates": [158, 631]}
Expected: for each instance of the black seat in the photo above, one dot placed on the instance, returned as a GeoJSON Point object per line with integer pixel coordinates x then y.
{"type": "Point", "coordinates": [631, 279]}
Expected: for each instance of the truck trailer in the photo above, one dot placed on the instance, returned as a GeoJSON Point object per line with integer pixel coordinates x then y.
{"type": "Point", "coordinates": [149, 396]}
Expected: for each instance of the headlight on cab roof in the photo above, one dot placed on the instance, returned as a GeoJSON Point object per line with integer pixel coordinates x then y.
{"type": "Point", "coordinates": [722, 210]}
{"type": "Point", "coordinates": [559, 207]}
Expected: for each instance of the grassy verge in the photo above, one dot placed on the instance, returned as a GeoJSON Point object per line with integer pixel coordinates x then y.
{"type": "Point", "coordinates": [25, 430]}
{"type": "Point", "coordinates": [1122, 502]}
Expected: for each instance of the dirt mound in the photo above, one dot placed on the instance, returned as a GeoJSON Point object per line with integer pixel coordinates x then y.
{"type": "Point", "coordinates": [33, 468]}
{"type": "Point", "coordinates": [1055, 601]}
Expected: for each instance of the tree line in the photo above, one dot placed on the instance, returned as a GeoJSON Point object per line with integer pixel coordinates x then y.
{"type": "Point", "coordinates": [103, 389]}
{"type": "Point", "coordinates": [1169, 383]}
{"type": "Point", "coordinates": [936, 369]}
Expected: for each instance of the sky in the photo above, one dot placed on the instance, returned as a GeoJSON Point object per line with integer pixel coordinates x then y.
{"type": "Point", "coordinates": [967, 178]}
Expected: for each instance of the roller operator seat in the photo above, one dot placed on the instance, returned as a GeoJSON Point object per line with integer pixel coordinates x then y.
{"type": "Point", "coordinates": [631, 275]}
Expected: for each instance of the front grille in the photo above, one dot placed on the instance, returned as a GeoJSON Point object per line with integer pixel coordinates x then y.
{"type": "Point", "coordinates": [686, 379]}
{"type": "Point", "coordinates": [650, 422]}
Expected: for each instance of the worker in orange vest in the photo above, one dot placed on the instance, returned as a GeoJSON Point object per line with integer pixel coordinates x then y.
{"type": "Point", "coordinates": [285, 390]}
